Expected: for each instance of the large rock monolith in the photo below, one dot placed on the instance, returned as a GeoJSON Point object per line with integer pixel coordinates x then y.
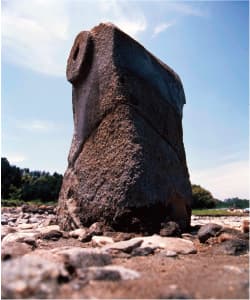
{"type": "Point", "coordinates": [127, 165]}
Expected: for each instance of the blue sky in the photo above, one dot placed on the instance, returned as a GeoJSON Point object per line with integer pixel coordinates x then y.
{"type": "Point", "coordinates": [206, 43]}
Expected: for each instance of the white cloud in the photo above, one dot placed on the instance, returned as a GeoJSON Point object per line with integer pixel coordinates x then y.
{"type": "Point", "coordinates": [132, 27]}
{"type": "Point", "coordinates": [161, 27]}
{"type": "Point", "coordinates": [186, 9]}
{"type": "Point", "coordinates": [225, 181]}
{"type": "Point", "coordinates": [231, 157]}
{"type": "Point", "coordinates": [33, 34]}
{"type": "Point", "coordinates": [37, 126]}
{"type": "Point", "coordinates": [38, 34]}
{"type": "Point", "coordinates": [16, 158]}
{"type": "Point", "coordinates": [127, 16]}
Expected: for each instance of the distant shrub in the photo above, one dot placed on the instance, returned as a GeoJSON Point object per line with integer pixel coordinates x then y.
{"type": "Point", "coordinates": [26, 185]}
{"type": "Point", "coordinates": [11, 202]}
{"type": "Point", "coordinates": [202, 198]}
{"type": "Point", "coordinates": [237, 202]}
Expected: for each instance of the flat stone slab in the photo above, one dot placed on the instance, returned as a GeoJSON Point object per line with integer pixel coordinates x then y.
{"type": "Point", "coordinates": [19, 237]}
{"type": "Point", "coordinates": [5, 230]}
{"type": "Point", "coordinates": [78, 233]}
{"type": "Point", "coordinates": [125, 246]}
{"type": "Point", "coordinates": [83, 257]}
{"type": "Point", "coordinates": [112, 273]}
{"type": "Point", "coordinates": [176, 245]}
{"type": "Point", "coordinates": [47, 229]}
{"type": "Point", "coordinates": [101, 240]}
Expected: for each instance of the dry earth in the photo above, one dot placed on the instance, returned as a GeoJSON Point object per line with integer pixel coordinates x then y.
{"type": "Point", "coordinates": [217, 268]}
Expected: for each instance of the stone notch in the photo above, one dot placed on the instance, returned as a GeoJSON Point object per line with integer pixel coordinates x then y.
{"type": "Point", "coordinates": [126, 165]}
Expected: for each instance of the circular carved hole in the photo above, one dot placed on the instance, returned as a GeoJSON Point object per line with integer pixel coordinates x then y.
{"type": "Point", "coordinates": [76, 53]}
{"type": "Point", "coordinates": [6, 257]}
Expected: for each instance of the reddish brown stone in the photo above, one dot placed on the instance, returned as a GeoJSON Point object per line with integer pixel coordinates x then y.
{"type": "Point", "coordinates": [127, 165]}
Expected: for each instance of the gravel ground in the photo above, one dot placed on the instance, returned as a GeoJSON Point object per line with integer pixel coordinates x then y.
{"type": "Point", "coordinates": [41, 261]}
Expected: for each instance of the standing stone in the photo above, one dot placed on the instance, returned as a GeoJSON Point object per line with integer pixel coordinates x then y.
{"type": "Point", "coordinates": [127, 164]}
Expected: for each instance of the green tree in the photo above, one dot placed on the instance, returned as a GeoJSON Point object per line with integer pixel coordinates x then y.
{"type": "Point", "coordinates": [237, 202]}
{"type": "Point", "coordinates": [11, 176]}
{"type": "Point", "coordinates": [202, 198]}
{"type": "Point", "coordinates": [44, 187]}
{"type": "Point", "coordinates": [27, 185]}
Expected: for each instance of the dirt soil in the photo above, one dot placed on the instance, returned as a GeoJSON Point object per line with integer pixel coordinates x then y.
{"type": "Point", "coordinates": [208, 274]}
{"type": "Point", "coordinates": [204, 275]}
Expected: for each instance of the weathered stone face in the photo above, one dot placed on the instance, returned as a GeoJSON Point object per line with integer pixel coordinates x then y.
{"type": "Point", "coordinates": [126, 165]}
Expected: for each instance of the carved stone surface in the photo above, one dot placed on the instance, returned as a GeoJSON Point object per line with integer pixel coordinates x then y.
{"type": "Point", "coordinates": [126, 165]}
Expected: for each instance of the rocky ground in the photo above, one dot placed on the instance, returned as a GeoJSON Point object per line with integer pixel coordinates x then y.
{"type": "Point", "coordinates": [41, 261]}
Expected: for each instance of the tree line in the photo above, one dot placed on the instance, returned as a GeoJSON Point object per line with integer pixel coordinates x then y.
{"type": "Point", "coordinates": [26, 185]}
{"type": "Point", "coordinates": [202, 198]}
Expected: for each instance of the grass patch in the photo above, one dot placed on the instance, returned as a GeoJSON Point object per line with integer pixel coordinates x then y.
{"type": "Point", "coordinates": [18, 202]}
{"type": "Point", "coordinates": [11, 202]}
{"type": "Point", "coordinates": [216, 212]}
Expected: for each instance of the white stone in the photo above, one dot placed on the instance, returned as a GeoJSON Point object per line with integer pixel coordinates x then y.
{"type": "Point", "coordinates": [98, 240]}
{"type": "Point", "coordinates": [178, 245]}
{"type": "Point", "coordinates": [5, 230]}
{"type": "Point", "coordinates": [83, 257]}
{"type": "Point", "coordinates": [30, 277]}
{"type": "Point", "coordinates": [233, 269]}
{"type": "Point", "coordinates": [18, 236]}
{"type": "Point", "coordinates": [47, 229]}
{"type": "Point", "coordinates": [33, 220]}
{"type": "Point", "coordinates": [112, 272]}
{"type": "Point", "coordinates": [25, 226]}
{"type": "Point", "coordinates": [126, 246]}
{"type": "Point", "coordinates": [78, 233]}
{"type": "Point", "coordinates": [168, 253]}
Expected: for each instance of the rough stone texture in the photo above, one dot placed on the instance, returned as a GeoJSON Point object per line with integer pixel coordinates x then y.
{"type": "Point", "coordinates": [112, 273]}
{"type": "Point", "coordinates": [5, 230]}
{"type": "Point", "coordinates": [168, 253]}
{"type": "Point", "coordinates": [14, 249]}
{"type": "Point", "coordinates": [53, 235]}
{"type": "Point", "coordinates": [180, 246]}
{"type": "Point", "coordinates": [126, 246]}
{"type": "Point", "coordinates": [232, 233]}
{"type": "Point", "coordinates": [78, 233]}
{"type": "Point", "coordinates": [170, 229]}
{"type": "Point", "coordinates": [25, 226]}
{"type": "Point", "coordinates": [142, 251]}
{"type": "Point", "coordinates": [245, 226]}
{"type": "Point", "coordinates": [207, 231]}
{"type": "Point", "coordinates": [30, 277]}
{"type": "Point", "coordinates": [83, 257]}
{"type": "Point", "coordinates": [47, 229]}
{"type": "Point", "coordinates": [123, 236]}
{"type": "Point", "coordinates": [18, 237]}
{"type": "Point", "coordinates": [4, 221]}
{"type": "Point", "coordinates": [232, 247]}
{"type": "Point", "coordinates": [101, 240]}
{"type": "Point", "coordinates": [63, 269]}
{"type": "Point", "coordinates": [126, 165]}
